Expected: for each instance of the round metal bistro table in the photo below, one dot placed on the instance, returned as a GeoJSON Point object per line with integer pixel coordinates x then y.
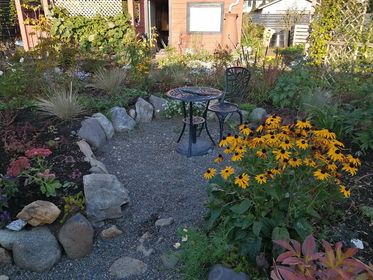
{"type": "Point", "coordinates": [195, 146]}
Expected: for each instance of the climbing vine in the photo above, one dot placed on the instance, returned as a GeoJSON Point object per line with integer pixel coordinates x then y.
{"type": "Point", "coordinates": [326, 19]}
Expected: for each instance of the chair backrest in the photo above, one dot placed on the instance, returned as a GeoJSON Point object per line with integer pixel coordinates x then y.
{"type": "Point", "coordinates": [236, 82]}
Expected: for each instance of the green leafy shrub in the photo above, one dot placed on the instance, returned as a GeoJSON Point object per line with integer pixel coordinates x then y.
{"type": "Point", "coordinates": [292, 85]}
{"type": "Point", "coordinates": [200, 251]}
{"type": "Point", "coordinates": [283, 178]}
{"type": "Point", "coordinates": [62, 103]}
{"type": "Point", "coordinates": [100, 35]}
{"type": "Point", "coordinates": [124, 98]}
{"type": "Point", "coordinates": [293, 53]}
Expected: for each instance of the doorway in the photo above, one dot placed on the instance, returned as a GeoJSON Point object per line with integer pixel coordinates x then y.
{"type": "Point", "coordinates": [159, 19]}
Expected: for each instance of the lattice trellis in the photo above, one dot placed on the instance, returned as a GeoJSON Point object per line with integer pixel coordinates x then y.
{"type": "Point", "coordinates": [346, 42]}
{"type": "Point", "coordinates": [90, 8]}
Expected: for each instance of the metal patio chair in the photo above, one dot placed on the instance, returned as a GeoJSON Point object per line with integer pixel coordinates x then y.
{"type": "Point", "coordinates": [236, 85]}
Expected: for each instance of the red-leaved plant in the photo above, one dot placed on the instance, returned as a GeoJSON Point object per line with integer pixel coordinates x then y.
{"type": "Point", "coordinates": [303, 262]}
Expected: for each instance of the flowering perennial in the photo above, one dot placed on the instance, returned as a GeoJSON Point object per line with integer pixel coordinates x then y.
{"type": "Point", "coordinates": [276, 149]}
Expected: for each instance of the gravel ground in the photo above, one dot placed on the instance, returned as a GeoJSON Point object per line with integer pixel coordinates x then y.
{"type": "Point", "coordinates": [161, 184]}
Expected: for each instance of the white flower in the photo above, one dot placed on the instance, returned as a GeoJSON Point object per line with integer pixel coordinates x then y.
{"type": "Point", "coordinates": [13, 70]}
{"type": "Point", "coordinates": [21, 60]}
{"type": "Point", "coordinates": [1, 73]}
{"type": "Point", "coordinates": [177, 245]}
{"type": "Point", "coordinates": [185, 230]}
{"type": "Point", "coordinates": [184, 238]}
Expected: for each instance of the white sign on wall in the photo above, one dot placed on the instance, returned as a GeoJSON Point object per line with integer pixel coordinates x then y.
{"type": "Point", "coordinates": [205, 17]}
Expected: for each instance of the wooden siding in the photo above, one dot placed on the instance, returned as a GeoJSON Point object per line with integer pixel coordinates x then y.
{"type": "Point", "coordinates": [179, 36]}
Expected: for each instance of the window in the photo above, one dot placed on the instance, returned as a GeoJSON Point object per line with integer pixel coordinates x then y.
{"type": "Point", "coordinates": [205, 17]}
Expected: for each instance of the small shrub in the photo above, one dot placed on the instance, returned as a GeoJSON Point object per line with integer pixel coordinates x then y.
{"type": "Point", "coordinates": [62, 103]}
{"type": "Point", "coordinates": [73, 204]}
{"type": "Point", "coordinates": [277, 180]}
{"type": "Point", "coordinates": [200, 251]}
{"type": "Point", "coordinates": [109, 80]}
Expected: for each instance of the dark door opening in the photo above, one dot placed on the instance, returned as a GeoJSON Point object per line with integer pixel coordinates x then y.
{"type": "Point", "coordinates": [159, 19]}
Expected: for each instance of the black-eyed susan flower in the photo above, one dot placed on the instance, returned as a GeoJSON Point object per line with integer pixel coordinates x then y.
{"type": "Point", "coordinates": [302, 144]}
{"type": "Point", "coordinates": [354, 160]}
{"type": "Point", "coordinates": [271, 140]}
{"type": "Point", "coordinates": [302, 124]}
{"type": "Point", "coordinates": [309, 162]}
{"type": "Point", "coordinates": [223, 142]}
{"type": "Point", "coordinates": [257, 141]}
{"type": "Point", "coordinates": [276, 171]}
{"type": "Point", "coordinates": [237, 156]}
{"type": "Point", "coordinates": [325, 133]}
{"type": "Point", "coordinates": [231, 139]}
{"type": "Point", "coordinates": [331, 166]}
{"type": "Point", "coordinates": [350, 168]}
{"type": "Point", "coordinates": [335, 154]}
{"type": "Point", "coordinates": [295, 162]}
{"type": "Point", "coordinates": [260, 128]}
{"type": "Point", "coordinates": [226, 172]}
{"type": "Point", "coordinates": [286, 145]}
{"type": "Point", "coordinates": [209, 174]}
{"type": "Point", "coordinates": [270, 174]}
{"type": "Point", "coordinates": [345, 191]}
{"type": "Point", "coordinates": [242, 180]}
{"type": "Point", "coordinates": [262, 153]}
{"type": "Point", "coordinates": [228, 150]}
{"type": "Point", "coordinates": [241, 149]}
{"type": "Point", "coordinates": [321, 175]}
{"type": "Point", "coordinates": [261, 178]}
{"type": "Point", "coordinates": [219, 159]}
{"type": "Point", "coordinates": [281, 154]}
{"type": "Point", "coordinates": [244, 129]}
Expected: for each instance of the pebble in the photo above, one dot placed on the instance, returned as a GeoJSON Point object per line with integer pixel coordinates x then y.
{"type": "Point", "coordinates": [110, 232]}
{"type": "Point", "coordinates": [126, 266]}
{"type": "Point", "coordinates": [164, 222]}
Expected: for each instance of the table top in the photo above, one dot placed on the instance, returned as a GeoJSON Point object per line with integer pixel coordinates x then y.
{"type": "Point", "coordinates": [194, 94]}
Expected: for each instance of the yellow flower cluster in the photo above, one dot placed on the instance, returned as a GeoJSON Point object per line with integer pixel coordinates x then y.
{"type": "Point", "coordinates": [282, 147]}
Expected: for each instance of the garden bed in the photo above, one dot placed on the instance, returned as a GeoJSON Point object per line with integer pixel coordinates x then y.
{"type": "Point", "coordinates": [27, 129]}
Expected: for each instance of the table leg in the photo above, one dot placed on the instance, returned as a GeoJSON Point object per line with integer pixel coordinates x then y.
{"type": "Point", "coordinates": [192, 130]}
{"type": "Point", "coordinates": [184, 124]}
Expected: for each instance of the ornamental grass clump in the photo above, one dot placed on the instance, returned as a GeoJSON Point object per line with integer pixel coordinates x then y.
{"type": "Point", "coordinates": [62, 103]}
{"type": "Point", "coordinates": [109, 80]}
{"type": "Point", "coordinates": [280, 180]}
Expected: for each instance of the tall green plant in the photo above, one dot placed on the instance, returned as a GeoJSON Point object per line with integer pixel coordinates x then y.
{"type": "Point", "coordinates": [327, 17]}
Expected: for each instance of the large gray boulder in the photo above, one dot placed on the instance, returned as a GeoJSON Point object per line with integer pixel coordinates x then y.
{"type": "Point", "coordinates": [76, 236]}
{"type": "Point", "coordinates": [104, 196]}
{"type": "Point", "coordinates": [92, 132]}
{"type": "Point", "coordinates": [258, 115]}
{"type": "Point", "coordinates": [9, 237]}
{"type": "Point", "coordinates": [106, 125]}
{"type": "Point", "coordinates": [158, 104]}
{"type": "Point", "coordinates": [219, 272]}
{"type": "Point", "coordinates": [121, 120]}
{"type": "Point", "coordinates": [144, 111]}
{"type": "Point", "coordinates": [37, 250]}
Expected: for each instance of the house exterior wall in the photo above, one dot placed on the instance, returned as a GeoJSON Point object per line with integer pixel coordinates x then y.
{"type": "Point", "coordinates": [282, 6]}
{"type": "Point", "coordinates": [182, 40]}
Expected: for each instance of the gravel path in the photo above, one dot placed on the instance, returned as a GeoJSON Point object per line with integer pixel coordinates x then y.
{"type": "Point", "coordinates": [161, 184]}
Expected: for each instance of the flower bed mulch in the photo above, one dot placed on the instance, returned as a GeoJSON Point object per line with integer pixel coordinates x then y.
{"type": "Point", "coordinates": [25, 129]}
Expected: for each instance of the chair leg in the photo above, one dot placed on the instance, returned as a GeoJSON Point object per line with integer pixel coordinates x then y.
{"type": "Point", "coordinates": [208, 132]}
{"type": "Point", "coordinates": [221, 118]}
